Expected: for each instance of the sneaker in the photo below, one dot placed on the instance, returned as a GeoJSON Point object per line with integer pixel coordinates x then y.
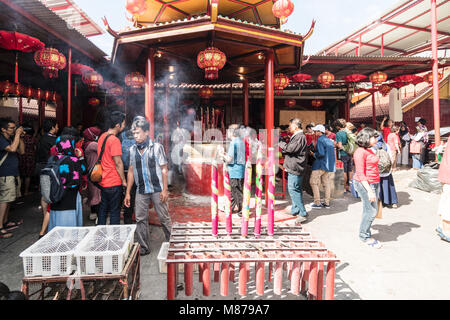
{"type": "Point", "coordinates": [373, 243]}
{"type": "Point", "coordinates": [93, 216]}
{"type": "Point", "coordinates": [327, 206]}
{"type": "Point", "coordinates": [300, 219]}
{"type": "Point", "coordinates": [316, 206]}
{"type": "Point", "coordinates": [394, 206]}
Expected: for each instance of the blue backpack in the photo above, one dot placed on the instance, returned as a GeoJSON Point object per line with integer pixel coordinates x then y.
{"type": "Point", "coordinates": [52, 189]}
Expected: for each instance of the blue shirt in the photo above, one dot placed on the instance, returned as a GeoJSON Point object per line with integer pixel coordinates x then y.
{"type": "Point", "coordinates": [325, 158]}
{"type": "Point", "coordinates": [126, 145]}
{"type": "Point", "coordinates": [236, 151]}
{"type": "Point", "coordinates": [341, 137]}
{"type": "Point", "coordinates": [147, 167]}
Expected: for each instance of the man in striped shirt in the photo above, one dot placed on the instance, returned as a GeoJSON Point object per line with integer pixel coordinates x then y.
{"type": "Point", "coordinates": [148, 169]}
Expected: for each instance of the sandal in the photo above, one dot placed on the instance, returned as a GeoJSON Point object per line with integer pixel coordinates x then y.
{"type": "Point", "coordinates": [12, 224]}
{"type": "Point", "coordinates": [4, 234]}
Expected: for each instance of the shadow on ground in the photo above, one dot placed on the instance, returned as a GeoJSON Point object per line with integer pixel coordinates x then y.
{"type": "Point", "coordinates": [387, 233]}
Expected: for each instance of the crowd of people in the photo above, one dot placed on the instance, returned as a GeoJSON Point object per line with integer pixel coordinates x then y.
{"type": "Point", "coordinates": [133, 172]}
{"type": "Point", "coordinates": [133, 169]}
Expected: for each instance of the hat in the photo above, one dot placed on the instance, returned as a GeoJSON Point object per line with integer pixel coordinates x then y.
{"type": "Point", "coordinates": [319, 127]}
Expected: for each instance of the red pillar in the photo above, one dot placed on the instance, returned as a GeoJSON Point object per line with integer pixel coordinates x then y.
{"type": "Point", "coordinates": [436, 107]}
{"type": "Point", "coordinates": [150, 91]}
{"type": "Point", "coordinates": [269, 106]}
{"type": "Point", "coordinates": [374, 121]}
{"type": "Point", "coordinates": [69, 87]}
{"type": "Point", "coordinates": [246, 103]}
{"type": "Point", "coordinates": [231, 103]}
{"type": "Point", "coordinates": [166, 121]}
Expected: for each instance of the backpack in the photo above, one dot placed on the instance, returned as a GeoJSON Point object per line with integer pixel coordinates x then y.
{"type": "Point", "coordinates": [95, 173]}
{"type": "Point", "coordinates": [351, 145]}
{"type": "Point", "coordinates": [385, 162]}
{"type": "Point", "coordinates": [52, 189]}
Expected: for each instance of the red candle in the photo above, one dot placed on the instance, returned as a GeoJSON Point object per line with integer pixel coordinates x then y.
{"type": "Point", "coordinates": [227, 194]}
{"type": "Point", "coordinates": [214, 198]}
{"type": "Point", "coordinates": [271, 192]}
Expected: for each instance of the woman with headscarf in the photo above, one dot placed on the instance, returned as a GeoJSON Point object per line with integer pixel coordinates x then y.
{"type": "Point", "coordinates": [387, 192]}
{"type": "Point", "coordinates": [90, 152]}
{"type": "Point", "coordinates": [68, 212]}
{"type": "Point", "coordinates": [421, 137]}
{"type": "Point", "coordinates": [405, 138]}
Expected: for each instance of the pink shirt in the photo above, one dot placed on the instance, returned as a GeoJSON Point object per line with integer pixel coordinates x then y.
{"type": "Point", "coordinates": [444, 168]}
{"type": "Point", "coordinates": [366, 166]}
{"type": "Point", "coordinates": [393, 141]}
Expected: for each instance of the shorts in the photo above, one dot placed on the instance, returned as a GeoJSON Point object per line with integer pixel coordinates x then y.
{"type": "Point", "coordinates": [347, 161]}
{"type": "Point", "coordinates": [9, 189]}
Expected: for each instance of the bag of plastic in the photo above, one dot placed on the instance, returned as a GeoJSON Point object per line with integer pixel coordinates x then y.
{"type": "Point", "coordinates": [427, 180]}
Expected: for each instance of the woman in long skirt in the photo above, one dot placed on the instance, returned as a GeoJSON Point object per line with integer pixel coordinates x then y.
{"type": "Point", "coordinates": [443, 228]}
{"type": "Point", "coordinates": [405, 138]}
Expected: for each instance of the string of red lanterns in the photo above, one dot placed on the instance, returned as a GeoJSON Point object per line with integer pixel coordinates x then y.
{"type": "Point", "coordinates": [135, 81]}
{"type": "Point", "coordinates": [16, 89]}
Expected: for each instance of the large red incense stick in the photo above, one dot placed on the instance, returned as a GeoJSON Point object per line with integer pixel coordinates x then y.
{"type": "Point", "coordinates": [271, 192]}
{"type": "Point", "coordinates": [227, 194]}
{"type": "Point", "coordinates": [258, 195]}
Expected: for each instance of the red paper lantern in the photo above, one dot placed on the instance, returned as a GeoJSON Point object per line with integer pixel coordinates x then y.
{"type": "Point", "coordinates": [378, 78]}
{"type": "Point", "coordinates": [47, 95]}
{"type": "Point", "coordinates": [281, 81]}
{"type": "Point", "coordinates": [80, 69]}
{"type": "Point", "coordinates": [51, 60]}
{"type": "Point", "coordinates": [325, 79]}
{"type": "Point", "coordinates": [28, 93]}
{"type": "Point", "coordinates": [205, 92]}
{"type": "Point", "coordinates": [93, 80]}
{"type": "Point", "coordinates": [300, 77]}
{"type": "Point", "coordinates": [136, 6]}
{"type": "Point", "coordinates": [290, 103]}
{"type": "Point", "coordinates": [135, 81]}
{"type": "Point", "coordinates": [317, 103]}
{"type": "Point", "coordinates": [17, 89]}
{"type": "Point", "coordinates": [429, 78]}
{"type": "Point", "coordinates": [6, 88]}
{"type": "Point", "coordinates": [282, 9]}
{"type": "Point", "coordinates": [38, 95]}
{"type": "Point", "coordinates": [54, 97]}
{"type": "Point", "coordinates": [94, 102]}
{"type": "Point", "coordinates": [211, 60]}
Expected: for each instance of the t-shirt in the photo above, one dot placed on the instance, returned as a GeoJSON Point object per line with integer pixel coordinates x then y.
{"type": "Point", "coordinates": [10, 166]}
{"type": "Point", "coordinates": [386, 132]}
{"type": "Point", "coordinates": [110, 176]}
{"type": "Point", "coordinates": [341, 137]}
{"type": "Point", "coordinates": [332, 136]}
{"type": "Point", "coordinates": [393, 141]}
{"type": "Point", "coordinates": [366, 166]}
{"type": "Point", "coordinates": [236, 167]}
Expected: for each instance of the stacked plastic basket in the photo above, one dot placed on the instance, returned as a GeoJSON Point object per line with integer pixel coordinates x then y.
{"type": "Point", "coordinates": [87, 250]}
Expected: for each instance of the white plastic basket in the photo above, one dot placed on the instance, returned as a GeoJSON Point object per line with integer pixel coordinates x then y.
{"type": "Point", "coordinates": [52, 255]}
{"type": "Point", "coordinates": [105, 250]}
{"type": "Point", "coordinates": [162, 258]}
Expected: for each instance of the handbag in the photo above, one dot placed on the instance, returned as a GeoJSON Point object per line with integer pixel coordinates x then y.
{"type": "Point", "coordinates": [95, 173]}
{"type": "Point", "coordinates": [415, 147]}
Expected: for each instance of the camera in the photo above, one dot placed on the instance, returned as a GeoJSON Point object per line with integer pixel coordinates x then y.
{"type": "Point", "coordinates": [27, 129]}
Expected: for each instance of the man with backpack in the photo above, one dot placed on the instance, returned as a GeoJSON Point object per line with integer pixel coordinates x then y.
{"type": "Point", "coordinates": [113, 179]}
{"type": "Point", "coordinates": [345, 150]}
{"type": "Point", "coordinates": [11, 144]}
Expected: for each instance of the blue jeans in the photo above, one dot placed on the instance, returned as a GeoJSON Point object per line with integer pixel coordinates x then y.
{"type": "Point", "coordinates": [369, 208]}
{"type": "Point", "coordinates": [417, 164]}
{"type": "Point", "coordinates": [110, 203]}
{"type": "Point", "coordinates": [295, 184]}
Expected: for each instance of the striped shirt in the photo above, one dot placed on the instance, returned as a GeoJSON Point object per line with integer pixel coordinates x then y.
{"type": "Point", "coordinates": [147, 167]}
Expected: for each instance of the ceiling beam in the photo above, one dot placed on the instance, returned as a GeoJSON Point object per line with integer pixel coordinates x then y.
{"type": "Point", "coordinates": [415, 28]}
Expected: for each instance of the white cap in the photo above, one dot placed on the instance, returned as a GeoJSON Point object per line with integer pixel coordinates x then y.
{"type": "Point", "coordinates": [320, 128]}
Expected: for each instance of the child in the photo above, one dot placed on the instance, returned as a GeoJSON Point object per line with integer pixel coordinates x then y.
{"type": "Point", "coordinates": [393, 142]}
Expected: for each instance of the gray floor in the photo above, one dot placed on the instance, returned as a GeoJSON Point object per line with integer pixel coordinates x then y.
{"type": "Point", "coordinates": [412, 264]}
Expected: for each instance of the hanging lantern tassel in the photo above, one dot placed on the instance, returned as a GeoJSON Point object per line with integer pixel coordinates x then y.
{"type": "Point", "coordinates": [299, 91]}
{"type": "Point", "coordinates": [16, 72]}
{"type": "Point", "coordinates": [75, 88]}
{"type": "Point", "coordinates": [405, 92]}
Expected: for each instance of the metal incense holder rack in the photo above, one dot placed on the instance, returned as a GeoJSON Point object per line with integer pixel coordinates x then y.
{"type": "Point", "coordinates": [291, 257]}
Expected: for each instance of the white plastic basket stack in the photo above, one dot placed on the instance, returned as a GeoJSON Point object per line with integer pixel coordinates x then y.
{"type": "Point", "coordinates": [105, 250]}
{"type": "Point", "coordinates": [53, 255]}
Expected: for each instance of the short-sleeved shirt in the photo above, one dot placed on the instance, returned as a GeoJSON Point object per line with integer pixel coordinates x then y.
{"type": "Point", "coordinates": [110, 176]}
{"type": "Point", "coordinates": [393, 141]}
{"type": "Point", "coordinates": [236, 151]}
{"type": "Point", "coordinates": [10, 166]}
{"type": "Point", "coordinates": [147, 167]}
{"type": "Point", "coordinates": [341, 137]}
{"type": "Point", "coordinates": [386, 132]}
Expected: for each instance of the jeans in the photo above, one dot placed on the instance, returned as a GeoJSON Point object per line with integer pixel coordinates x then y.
{"type": "Point", "coordinates": [417, 164]}
{"type": "Point", "coordinates": [110, 203]}
{"type": "Point", "coordinates": [369, 208]}
{"type": "Point", "coordinates": [295, 184]}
